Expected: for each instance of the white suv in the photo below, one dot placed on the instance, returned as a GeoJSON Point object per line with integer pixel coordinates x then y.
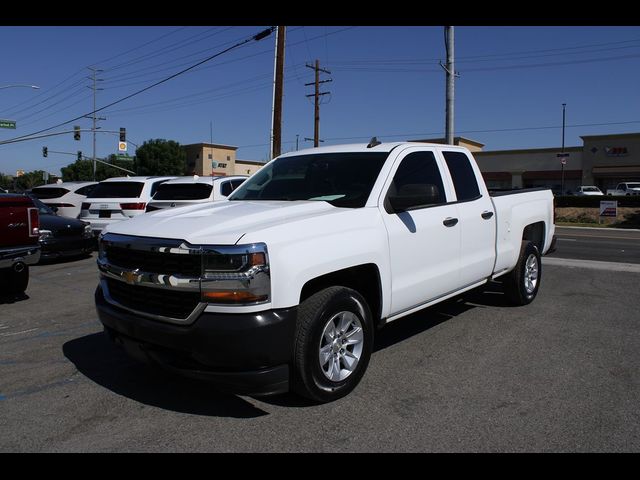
{"type": "Point", "coordinates": [117, 199]}
{"type": "Point", "coordinates": [183, 191]}
{"type": "Point", "coordinates": [66, 197]}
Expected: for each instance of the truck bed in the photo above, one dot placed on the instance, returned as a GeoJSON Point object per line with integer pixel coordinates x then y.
{"type": "Point", "coordinates": [515, 210]}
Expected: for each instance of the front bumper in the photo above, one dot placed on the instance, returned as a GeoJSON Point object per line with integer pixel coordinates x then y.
{"type": "Point", "coordinates": [67, 247]}
{"type": "Point", "coordinates": [29, 255]}
{"type": "Point", "coordinates": [246, 354]}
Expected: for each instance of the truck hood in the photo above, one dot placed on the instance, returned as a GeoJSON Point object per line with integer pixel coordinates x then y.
{"type": "Point", "coordinates": [223, 223]}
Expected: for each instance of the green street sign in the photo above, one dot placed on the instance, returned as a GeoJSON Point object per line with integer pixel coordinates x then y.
{"type": "Point", "coordinates": [125, 157]}
{"type": "Point", "coordinates": [8, 124]}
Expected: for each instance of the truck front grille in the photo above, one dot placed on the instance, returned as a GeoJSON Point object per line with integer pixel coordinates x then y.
{"type": "Point", "coordinates": [154, 301]}
{"type": "Point", "coordinates": [155, 262]}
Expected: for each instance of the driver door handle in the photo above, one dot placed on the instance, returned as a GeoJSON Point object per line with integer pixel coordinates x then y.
{"type": "Point", "coordinates": [449, 221]}
{"type": "Point", "coordinates": [487, 215]}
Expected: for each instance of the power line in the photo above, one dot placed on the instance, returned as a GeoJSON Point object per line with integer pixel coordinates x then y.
{"type": "Point", "coordinates": [495, 130]}
{"type": "Point", "coordinates": [490, 57]}
{"type": "Point", "coordinates": [111, 85]}
{"type": "Point", "coordinates": [256, 37]}
{"type": "Point", "coordinates": [10, 112]}
{"type": "Point", "coordinates": [122, 54]}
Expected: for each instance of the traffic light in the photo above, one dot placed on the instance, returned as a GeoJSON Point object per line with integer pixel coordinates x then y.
{"type": "Point", "coordinates": [79, 155]}
{"type": "Point", "coordinates": [123, 134]}
{"type": "Point", "coordinates": [45, 152]}
{"type": "Point", "coordinates": [76, 132]}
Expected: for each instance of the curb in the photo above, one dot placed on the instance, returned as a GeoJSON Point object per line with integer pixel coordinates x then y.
{"type": "Point", "coordinates": [602, 229]}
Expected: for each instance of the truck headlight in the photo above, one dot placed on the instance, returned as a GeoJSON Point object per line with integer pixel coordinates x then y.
{"type": "Point", "coordinates": [236, 275]}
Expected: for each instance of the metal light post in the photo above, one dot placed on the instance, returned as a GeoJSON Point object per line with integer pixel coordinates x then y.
{"type": "Point", "coordinates": [12, 123]}
{"type": "Point", "coordinates": [20, 85]}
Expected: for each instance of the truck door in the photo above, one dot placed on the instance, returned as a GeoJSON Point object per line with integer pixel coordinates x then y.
{"type": "Point", "coordinates": [477, 218]}
{"type": "Point", "coordinates": [424, 241]}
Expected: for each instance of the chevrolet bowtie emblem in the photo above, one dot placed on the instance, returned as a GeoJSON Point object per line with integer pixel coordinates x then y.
{"type": "Point", "coordinates": [131, 276]}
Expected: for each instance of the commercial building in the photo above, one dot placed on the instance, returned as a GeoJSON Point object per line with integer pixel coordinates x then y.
{"type": "Point", "coordinates": [602, 160]}
{"type": "Point", "coordinates": [206, 159]}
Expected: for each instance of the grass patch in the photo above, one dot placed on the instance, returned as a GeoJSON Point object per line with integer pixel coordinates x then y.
{"type": "Point", "coordinates": [628, 217]}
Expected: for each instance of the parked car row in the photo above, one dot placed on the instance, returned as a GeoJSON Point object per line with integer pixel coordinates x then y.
{"type": "Point", "coordinates": [625, 188]}
{"type": "Point", "coordinates": [116, 199]}
{"type": "Point", "coordinates": [66, 197]}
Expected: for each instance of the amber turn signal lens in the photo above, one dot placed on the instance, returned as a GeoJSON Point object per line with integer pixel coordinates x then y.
{"type": "Point", "coordinates": [231, 296]}
{"type": "Point", "coordinates": [256, 259]}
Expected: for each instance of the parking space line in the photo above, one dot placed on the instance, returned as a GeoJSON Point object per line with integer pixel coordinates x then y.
{"type": "Point", "coordinates": [17, 333]}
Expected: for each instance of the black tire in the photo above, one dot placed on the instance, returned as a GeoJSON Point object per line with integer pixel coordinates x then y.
{"type": "Point", "coordinates": [521, 285]}
{"type": "Point", "coordinates": [341, 306]}
{"type": "Point", "coordinates": [18, 281]}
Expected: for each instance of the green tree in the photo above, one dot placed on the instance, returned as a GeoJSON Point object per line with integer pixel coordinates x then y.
{"type": "Point", "coordinates": [6, 182]}
{"type": "Point", "coordinates": [82, 170]}
{"type": "Point", "coordinates": [29, 180]}
{"type": "Point", "coordinates": [160, 157]}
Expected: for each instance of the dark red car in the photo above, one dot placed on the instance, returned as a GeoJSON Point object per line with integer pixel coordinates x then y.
{"type": "Point", "coordinates": [19, 248]}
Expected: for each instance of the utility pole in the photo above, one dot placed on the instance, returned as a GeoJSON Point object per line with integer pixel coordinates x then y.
{"type": "Point", "coordinates": [93, 115]}
{"type": "Point", "coordinates": [278, 74]}
{"type": "Point", "coordinates": [449, 68]}
{"type": "Point", "coordinates": [317, 95]}
{"type": "Point", "coordinates": [563, 159]}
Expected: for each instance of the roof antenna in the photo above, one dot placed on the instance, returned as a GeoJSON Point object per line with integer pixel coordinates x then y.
{"type": "Point", "coordinates": [373, 142]}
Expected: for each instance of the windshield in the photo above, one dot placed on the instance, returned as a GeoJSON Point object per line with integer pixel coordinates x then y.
{"type": "Point", "coordinates": [341, 179]}
{"type": "Point", "coordinates": [117, 190]}
{"type": "Point", "coordinates": [183, 191]}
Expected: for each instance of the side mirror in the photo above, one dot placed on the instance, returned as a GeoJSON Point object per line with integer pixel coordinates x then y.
{"type": "Point", "coordinates": [412, 196]}
{"type": "Point", "coordinates": [55, 209]}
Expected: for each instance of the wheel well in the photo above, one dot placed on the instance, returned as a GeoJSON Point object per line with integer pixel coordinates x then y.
{"type": "Point", "coordinates": [365, 279]}
{"type": "Point", "coordinates": [535, 233]}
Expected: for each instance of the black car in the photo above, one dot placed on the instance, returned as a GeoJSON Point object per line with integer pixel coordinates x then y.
{"type": "Point", "coordinates": [62, 236]}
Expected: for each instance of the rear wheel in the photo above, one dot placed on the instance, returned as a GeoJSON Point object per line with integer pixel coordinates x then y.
{"type": "Point", "coordinates": [522, 284]}
{"type": "Point", "coordinates": [14, 283]}
{"type": "Point", "coordinates": [334, 339]}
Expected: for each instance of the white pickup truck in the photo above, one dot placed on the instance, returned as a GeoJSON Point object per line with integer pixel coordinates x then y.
{"type": "Point", "coordinates": [625, 188]}
{"type": "Point", "coordinates": [284, 285]}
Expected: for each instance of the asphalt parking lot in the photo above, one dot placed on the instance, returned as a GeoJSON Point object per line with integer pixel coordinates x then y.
{"type": "Point", "coordinates": [559, 375]}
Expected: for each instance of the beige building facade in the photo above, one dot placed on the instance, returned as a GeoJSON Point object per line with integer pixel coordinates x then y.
{"type": "Point", "coordinates": [207, 159]}
{"type": "Point", "coordinates": [602, 160]}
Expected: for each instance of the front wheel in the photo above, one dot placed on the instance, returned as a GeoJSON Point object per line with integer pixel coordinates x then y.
{"type": "Point", "coordinates": [334, 339]}
{"type": "Point", "coordinates": [522, 284]}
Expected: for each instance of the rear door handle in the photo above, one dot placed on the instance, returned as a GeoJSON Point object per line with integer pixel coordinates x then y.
{"type": "Point", "coordinates": [487, 215]}
{"type": "Point", "coordinates": [449, 221]}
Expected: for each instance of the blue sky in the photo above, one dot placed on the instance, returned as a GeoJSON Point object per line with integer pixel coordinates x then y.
{"type": "Point", "coordinates": [386, 82]}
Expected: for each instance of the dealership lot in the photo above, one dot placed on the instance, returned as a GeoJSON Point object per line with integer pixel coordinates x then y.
{"type": "Point", "coordinates": [469, 375]}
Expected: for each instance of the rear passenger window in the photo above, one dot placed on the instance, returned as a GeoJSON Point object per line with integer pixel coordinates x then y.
{"type": "Point", "coordinates": [418, 173]}
{"type": "Point", "coordinates": [226, 188]}
{"type": "Point", "coordinates": [464, 180]}
{"type": "Point", "coordinates": [86, 190]}
{"type": "Point", "coordinates": [155, 186]}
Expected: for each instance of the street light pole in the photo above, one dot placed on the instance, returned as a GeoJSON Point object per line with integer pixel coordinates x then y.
{"type": "Point", "coordinates": [35, 87]}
